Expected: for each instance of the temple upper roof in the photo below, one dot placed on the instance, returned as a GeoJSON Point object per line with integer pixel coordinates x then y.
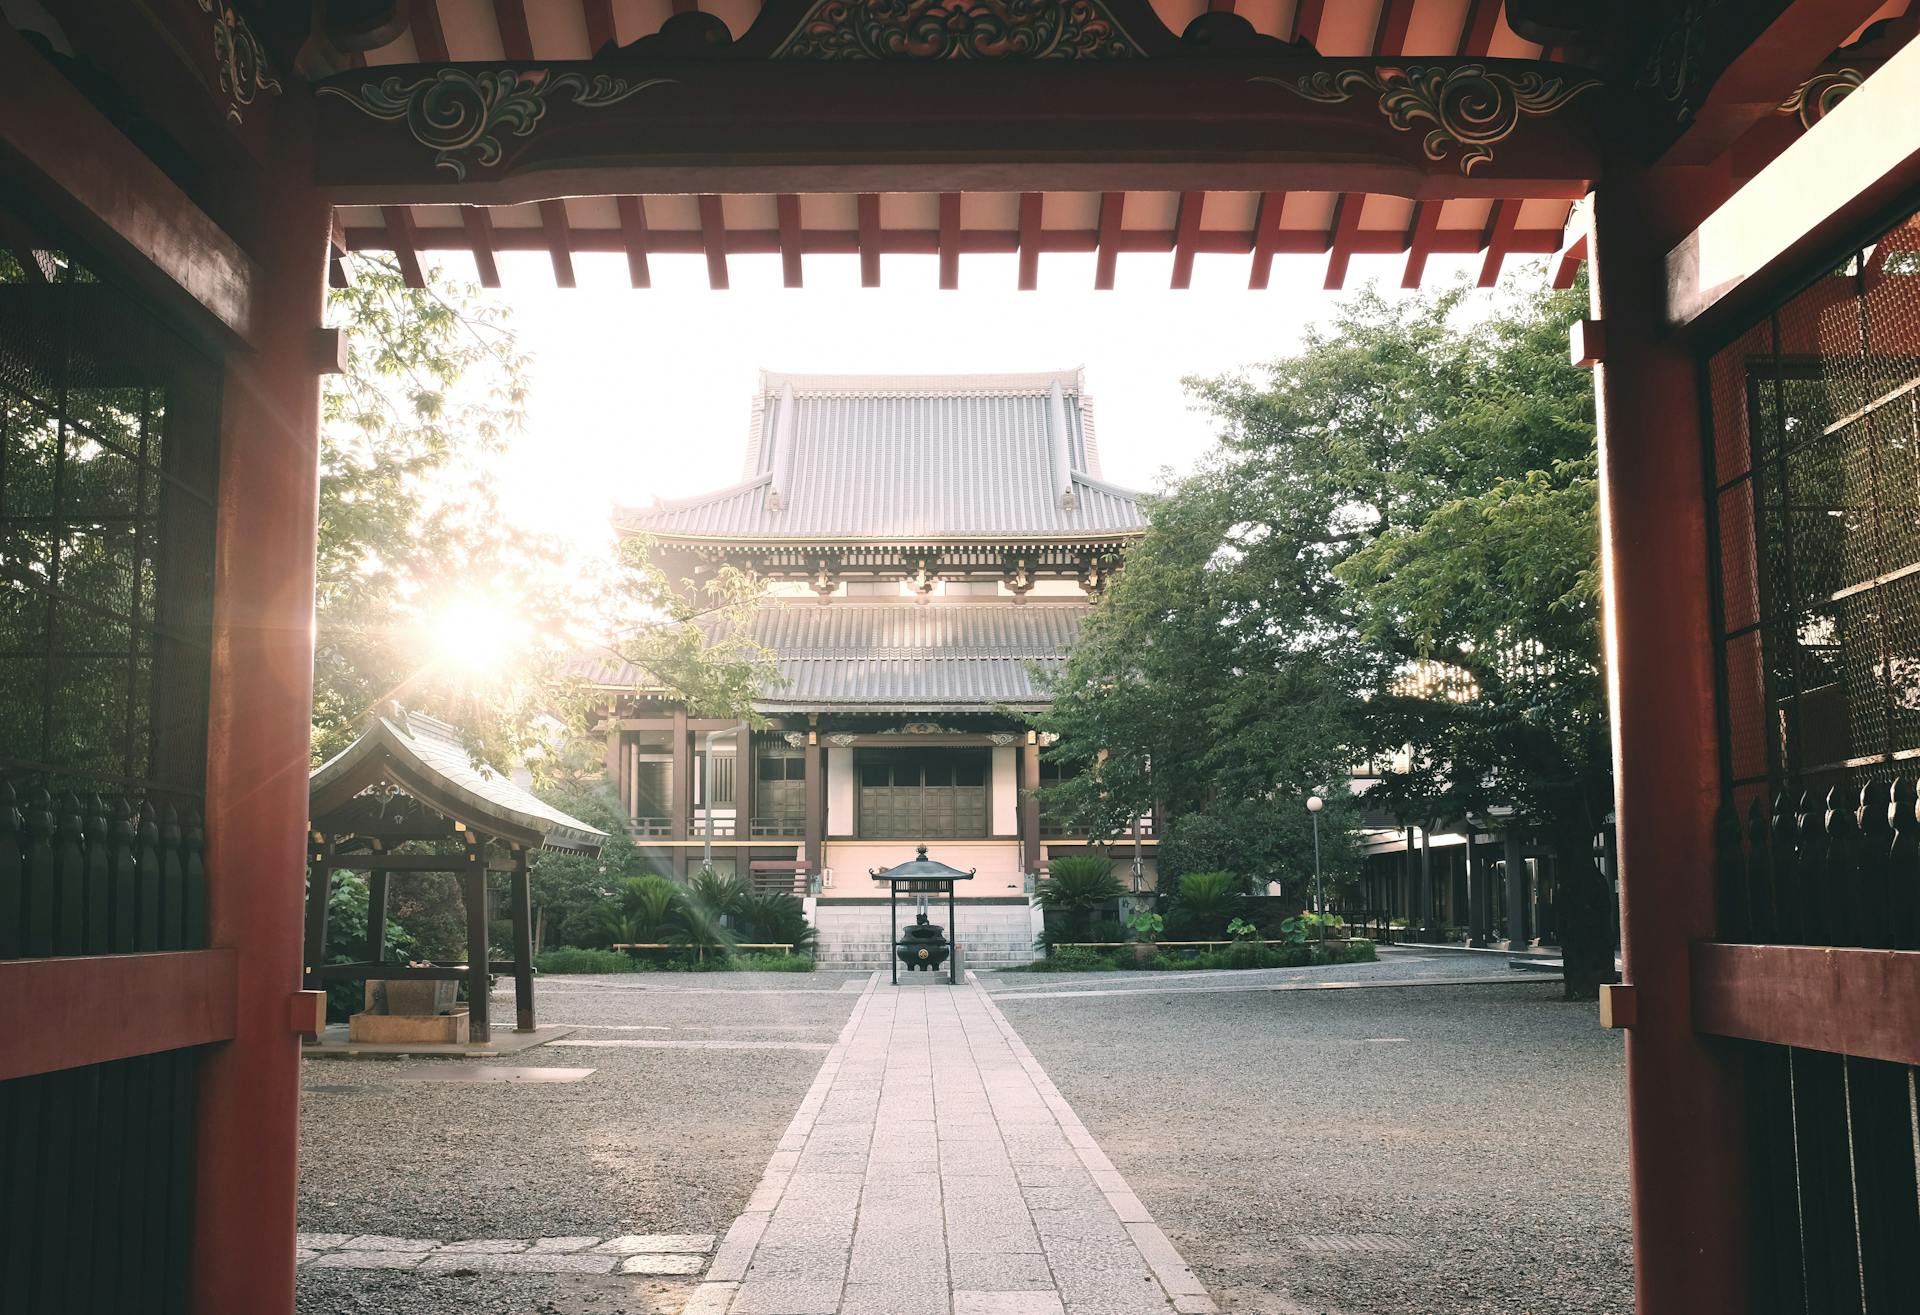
{"type": "Point", "coordinates": [911, 459]}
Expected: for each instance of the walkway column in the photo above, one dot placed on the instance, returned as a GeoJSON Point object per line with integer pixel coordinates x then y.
{"type": "Point", "coordinates": [1030, 804]}
{"type": "Point", "coordinates": [1516, 892]}
{"type": "Point", "coordinates": [680, 793]}
{"type": "Point", "coordinates": [1685, 1114]}
{"type": "Point", "coordinates": [1479, 894]}
{"type": "Point", "coordinates": [1420, 920]}
{"type": "Point", "coordinates": [247, 1092]}
{"type": "Point", "coordinates": [743, 782]}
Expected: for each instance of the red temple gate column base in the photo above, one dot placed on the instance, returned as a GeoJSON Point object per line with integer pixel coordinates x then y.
{"type": "Point", "coordinates": [1685, 1134]}
{"type": "Point", "coordinates": [247, 1117]}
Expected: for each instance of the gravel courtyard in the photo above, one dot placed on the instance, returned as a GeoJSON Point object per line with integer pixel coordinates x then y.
{"type": "Point", "coordinates": [665, 1137]}
{"type": "Point", "coordinates": [1471, 1138]}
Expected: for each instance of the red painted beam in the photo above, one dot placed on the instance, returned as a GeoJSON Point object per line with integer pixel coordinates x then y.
{"type": "Point", "coordinates": [1030, 203]}
{"type": "Point", "coordinates": [1113, 209]}
{"type": "Point", "coordinates": [515, 38]}
{"type": "Point", "coordinates": [63, 1013]}
{"type": "Point", "coordinates": [559, 235]}
{"type": "Point", "coordinates": [479, 229]}
{"type": "Point", "coordinates": [1844, 1001]}
{"type": "Point", "coordinates": [949, 240]}
{"type": "Point", "coordinates": [1482, 23]}
{"type": "Point", "coordinates": [1420, 238]}
{"type": "Point", "coordinates": [1306, 20]}
{"type": "Point", "coordinates": [403, 242]}
{"type": "Point", "coordinates": [713, 240]}
{"type": "Point", "coordinates": [1186, 231]}
{"type": "Point", "coordinates": [686, 6]}
{"type": "Point", "coordinates": [600, 30]}
{"type": "Point", "coordinates": [1501, 222]}
{"type": "Point", "coordinates": [1266, 237]}
{"type": "Point", "coordinates": [787, 205]}
{"type": "Point", "coordinates": [1390, 36]}
{"type": "Point", "coordinates": [1345, 234]}
{"type": "Point", "coordinates": [634, 238]}
{"type": "Point", "coordinates": [429, 37]}
{"type": "Point", "coordinates": [867, 208]}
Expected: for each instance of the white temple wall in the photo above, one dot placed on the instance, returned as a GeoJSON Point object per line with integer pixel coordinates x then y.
{"type": "Point", "coordinates": [839, 791]}
{"type": "Point", "coordinates": [1004, 782]}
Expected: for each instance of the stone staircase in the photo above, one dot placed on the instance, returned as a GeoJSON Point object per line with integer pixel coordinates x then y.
{"type": "Point", "coordinates": [854, 936]}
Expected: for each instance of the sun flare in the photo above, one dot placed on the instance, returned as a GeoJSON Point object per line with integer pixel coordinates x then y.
{"type": "Point", "coordinates": [475, 636]}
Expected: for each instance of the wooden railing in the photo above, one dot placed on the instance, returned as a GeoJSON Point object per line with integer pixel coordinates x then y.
{"type": "Point", "coordinates": [1819, 967]}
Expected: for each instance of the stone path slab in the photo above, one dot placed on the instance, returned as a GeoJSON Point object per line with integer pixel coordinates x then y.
{"type": "Point", "coordinates": [933, 1167]}
{"type": "Point", "coordinates": [634, 1253]}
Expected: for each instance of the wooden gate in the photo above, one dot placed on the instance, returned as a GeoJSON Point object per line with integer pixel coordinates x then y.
{"type": "Point", "coordinates": [1814, 456]}
{"type": "Point", "coordinates": [108, 430]}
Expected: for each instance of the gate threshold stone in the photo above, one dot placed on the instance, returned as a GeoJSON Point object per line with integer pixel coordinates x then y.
{"type": "Point", "coordinates": [933, 1167]}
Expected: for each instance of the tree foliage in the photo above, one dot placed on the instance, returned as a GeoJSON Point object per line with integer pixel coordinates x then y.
{"type": "Point", "coordinates": [1391, 553]}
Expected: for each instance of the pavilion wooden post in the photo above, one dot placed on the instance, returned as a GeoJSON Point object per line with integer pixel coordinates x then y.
{"type": "Point", "coordinates": [816, 797]}
{"type": "Point", "coordinates": [1685, 1133]}
{"type": "Point", "coordinates": [473, 890]}
{"type": "Point", "coordinates": [376, 915]}
{"type": "Point", "coordinates": [247, 1092]}
{"type": "Point", "coordinates": [319, 887]}
{"type": "Point", "coordinates": [522, 897]}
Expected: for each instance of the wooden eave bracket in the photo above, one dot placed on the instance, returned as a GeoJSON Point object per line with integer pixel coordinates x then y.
{"type": "Point", "coordinates": [1619, 1006]}
{"type": "Point", "coordinates": [328, 351]}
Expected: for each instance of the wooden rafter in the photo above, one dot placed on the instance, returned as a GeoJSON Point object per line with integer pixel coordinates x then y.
{"type": "Point", "coordinates": [787, 208]}
{"type": "Point", "coordinates": [600, 26]}
{"type": "Point", "coordinates": [633, 236]}
{"type": "Point", "coordinates": [1346, 236]}
{"type": "Point", "coordinates": [1030, 211]}
{"type": "Point", "coordinates": [867, 207]}
{"type": "Point", "coordinates": [479, 230]}
{"type": "Point", "coordinates": [1502, 220]}
{"type": "Point", "coordinates": [1266, 237]}
{"type": "Point", "coordinates": [1186, 232]}
{"type": "Point", "coordinates": [403, 241]}
{"type": "Point", "coordinates": [713, 240]}
{"type": "Point", "coordinates": [1113, 208]}
{"type": "Point", "coordinates": [559, 233]}
{"type": "Point", "coordinates": [949, 240]}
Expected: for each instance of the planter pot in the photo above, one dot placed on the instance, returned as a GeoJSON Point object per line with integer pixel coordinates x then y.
{"type": "Point", "coordinates": [1144, 951]}
{"type": "Point", "coordinates": [416, 997]}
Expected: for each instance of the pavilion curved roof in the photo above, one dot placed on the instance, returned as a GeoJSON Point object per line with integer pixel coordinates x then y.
{"type": "Point", "coordinates": [427, 760]}
{"type": "Point", "coordinates": [911, 459]}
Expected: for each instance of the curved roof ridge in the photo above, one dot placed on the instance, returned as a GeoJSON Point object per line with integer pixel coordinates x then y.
{"type": "Point", "coordinates": [932, 384]}
{"type": "Point", "coordinates": [623, 515]}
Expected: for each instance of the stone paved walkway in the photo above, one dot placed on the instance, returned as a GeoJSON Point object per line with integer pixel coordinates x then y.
{"type": "Point", "coordinates": [934, 1168]}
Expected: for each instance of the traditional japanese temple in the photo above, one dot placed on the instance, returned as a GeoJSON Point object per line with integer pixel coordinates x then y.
{"type": "Point", "coordinates": [179, 178]}
{"type": "Point", "coordinates": [931, 544]}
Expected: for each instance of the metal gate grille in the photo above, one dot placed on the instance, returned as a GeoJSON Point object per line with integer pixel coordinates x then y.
{"type": "Point", "coordinates": [1815, 461]}
{"type": "Point", "coordinates": [108, 434]}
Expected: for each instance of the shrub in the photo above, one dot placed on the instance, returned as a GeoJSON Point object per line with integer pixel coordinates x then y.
{"type": "Point", "coordinates": [570, 960]}
{"type": "Point", "coordinates": [759, 963]}
{"type": "Point", "coordinates": [777, 918]}
{"type": "Point", "coordinates": [1075, 887]}
{"type": "Point", "coordinates": [643, 912]}
{"type": "Point", "coordinates": [1207, 902]}
{"type": "Point", "coordinates": [1072, 959]}
{"type": "Point", "coordinates": [722, 897]}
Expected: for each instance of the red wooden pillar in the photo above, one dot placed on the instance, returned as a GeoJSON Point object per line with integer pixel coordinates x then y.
{"type": "Point", "coordinates": [248, 1094]}
{"type": "Point", "coordinates": [1685, 1108]}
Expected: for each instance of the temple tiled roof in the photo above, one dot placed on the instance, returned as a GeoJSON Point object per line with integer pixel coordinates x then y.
{"type": "Point", "coordinates": [912, 460]}
{"type": "Point", "coordinates": [937, 657]}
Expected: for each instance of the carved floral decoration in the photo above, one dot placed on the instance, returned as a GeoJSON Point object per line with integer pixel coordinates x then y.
{"type": "Point", "coordinates": [243, 66]}
{"type": "Point", "coordinates": [1471, 107]}
{"type": "Point", "coordinates": [958, 29]}
{"type": "Point", "coordinates": [462, 113]}
{"type": "Point", "coordinates": [1815, 98]}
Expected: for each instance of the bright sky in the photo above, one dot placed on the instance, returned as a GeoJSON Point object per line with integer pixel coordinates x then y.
{"type": "Point", "coordinates": [643, 394]}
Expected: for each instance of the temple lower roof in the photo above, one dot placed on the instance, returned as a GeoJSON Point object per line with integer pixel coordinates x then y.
{"type": "Point", "coordinates": [942, 656]}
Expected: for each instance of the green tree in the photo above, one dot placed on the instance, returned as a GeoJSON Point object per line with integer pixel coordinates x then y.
{"type": "Point", "coordinates": [1390, 552]}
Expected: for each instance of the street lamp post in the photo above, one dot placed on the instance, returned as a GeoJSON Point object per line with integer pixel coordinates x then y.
{"type": "Point", "coordinates": [1314, 804]}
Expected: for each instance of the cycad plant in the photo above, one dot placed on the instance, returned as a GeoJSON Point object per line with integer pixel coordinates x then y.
{"type": "Point", "coordinates": [721, 897]}
{"type": "Point", "coordinates": [644, 911]}
{"type": "Point", "coordinates": [777, 918]}
{"type": "Point", "coordinates": [1207, 902]}
{"type": "Point", "coordinates": [1075, 888]}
